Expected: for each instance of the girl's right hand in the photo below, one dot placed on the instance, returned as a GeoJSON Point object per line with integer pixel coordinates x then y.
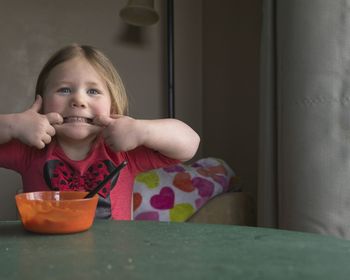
{"type": "Point", "coordinates": [33, 128]}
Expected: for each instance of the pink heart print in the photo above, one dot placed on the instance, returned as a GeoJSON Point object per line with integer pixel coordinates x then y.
{"type": "Point", "coordinates": [201, 201]}
{"type": "Point", "coordinates": [204, 186]}
{"type": "Point", "coordinates": [164, 200]}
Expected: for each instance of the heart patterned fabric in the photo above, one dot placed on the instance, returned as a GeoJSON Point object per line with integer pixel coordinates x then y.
{"type": "Point", "coordinates": [175, 193]}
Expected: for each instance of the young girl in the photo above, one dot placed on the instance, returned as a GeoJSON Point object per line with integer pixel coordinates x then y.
{"type": "Point", "coordinates": [77, 132]}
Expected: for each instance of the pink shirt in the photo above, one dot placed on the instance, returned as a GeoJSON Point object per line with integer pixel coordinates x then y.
{"type": "Point", "coordinates": [51, 169]}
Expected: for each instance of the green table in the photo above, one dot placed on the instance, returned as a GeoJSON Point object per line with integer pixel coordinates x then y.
{"type": "Point", "coordinates": [149, 250]}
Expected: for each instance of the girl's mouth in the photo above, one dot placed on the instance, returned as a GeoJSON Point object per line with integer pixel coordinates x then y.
{"type": "Point", "coordinates": [77, 120]}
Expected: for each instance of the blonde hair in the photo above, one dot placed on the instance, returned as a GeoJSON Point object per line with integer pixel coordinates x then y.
{"type": "Point", "coordinates": [102, 65]}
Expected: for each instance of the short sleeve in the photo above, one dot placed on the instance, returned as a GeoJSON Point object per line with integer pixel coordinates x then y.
{"type": "Point", "coordinates": [14, 155]}
{"type": "Point", "coordinates": [144, 159]}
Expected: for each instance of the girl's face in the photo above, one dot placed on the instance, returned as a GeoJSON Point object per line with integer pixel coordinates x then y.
{"type": "Point", "coordinates": [78, 93]}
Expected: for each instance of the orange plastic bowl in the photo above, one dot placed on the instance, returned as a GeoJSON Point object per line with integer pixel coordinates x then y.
{"type": "Point", "coordinates": [56, 212]}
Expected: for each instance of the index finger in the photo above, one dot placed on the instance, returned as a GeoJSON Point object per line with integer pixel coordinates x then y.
{"type": "Point", "coordinates": [54, 118]}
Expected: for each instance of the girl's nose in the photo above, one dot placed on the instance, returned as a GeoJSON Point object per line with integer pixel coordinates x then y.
{"type": "Point", "coordinates": [78, 100]}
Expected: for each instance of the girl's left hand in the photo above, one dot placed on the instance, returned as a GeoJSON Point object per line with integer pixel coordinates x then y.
{"type": "Point", "coordinates": [121, 133]}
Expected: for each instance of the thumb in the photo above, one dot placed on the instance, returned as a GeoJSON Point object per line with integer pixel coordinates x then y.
{"type": "Point", "coordinates": [102, 120]}
{"type": "Point", "coordinates": [37, 104]}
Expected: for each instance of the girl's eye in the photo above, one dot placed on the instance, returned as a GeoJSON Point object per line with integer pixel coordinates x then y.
{"type": "Point", "coordinates": [93, 91]}
{"type": "Point", "coordinates": [65, 90]}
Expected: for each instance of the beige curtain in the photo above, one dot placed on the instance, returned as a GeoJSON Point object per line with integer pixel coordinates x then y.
{"type": "Point", "coordinates": [304, 166]}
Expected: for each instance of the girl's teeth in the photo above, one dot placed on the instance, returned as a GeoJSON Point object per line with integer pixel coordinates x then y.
{"type": "Point", "coordinates": [77, 119]}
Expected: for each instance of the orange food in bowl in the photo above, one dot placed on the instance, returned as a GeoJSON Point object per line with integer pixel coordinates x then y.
{"type": "Point", "coordinates": [56, 212]}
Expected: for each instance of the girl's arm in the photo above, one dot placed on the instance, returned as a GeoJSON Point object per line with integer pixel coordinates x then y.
{"type": "Point", "coordinates": [30, 127]}
{"type": "Point", "coordinates": [171, 137]}
{"type": "Point", "coordinates": [6, 128]}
